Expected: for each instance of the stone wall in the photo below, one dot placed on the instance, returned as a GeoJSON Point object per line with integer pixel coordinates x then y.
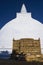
{"type": "Point", "coordinates": [27, 45]}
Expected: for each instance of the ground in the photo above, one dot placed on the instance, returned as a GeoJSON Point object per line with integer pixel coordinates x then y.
{"type": "Point", "coordinates": [12, 62]}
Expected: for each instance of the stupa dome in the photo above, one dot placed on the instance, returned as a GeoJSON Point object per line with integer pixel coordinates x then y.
{"type": "Point", "coordinates": [23, 26]}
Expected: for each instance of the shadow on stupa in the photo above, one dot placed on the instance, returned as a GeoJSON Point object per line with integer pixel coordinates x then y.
{"type": "Point", "coordinates": [4, 55]}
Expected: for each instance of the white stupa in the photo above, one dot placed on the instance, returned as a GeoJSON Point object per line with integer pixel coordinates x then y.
{"type": "Point", "coordinates": [23, 26]}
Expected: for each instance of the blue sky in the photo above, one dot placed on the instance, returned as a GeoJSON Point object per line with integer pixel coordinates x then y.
{"type": "Point", "coordinates": [9, 8]}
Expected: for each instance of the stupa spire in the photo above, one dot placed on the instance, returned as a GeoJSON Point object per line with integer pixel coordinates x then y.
{"type": "Point", "coordinates": [23, 9]}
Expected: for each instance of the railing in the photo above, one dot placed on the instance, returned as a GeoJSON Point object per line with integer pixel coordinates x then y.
{"type": "Point", "coordinates": [6, 49]}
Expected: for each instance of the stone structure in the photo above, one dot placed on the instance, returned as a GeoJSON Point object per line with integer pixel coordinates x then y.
{"type": "Point", "coordinates": [28, 46]}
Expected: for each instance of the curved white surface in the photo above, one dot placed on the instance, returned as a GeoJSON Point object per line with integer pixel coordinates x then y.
{"type": "Point", "coordinates": [23, 26]}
